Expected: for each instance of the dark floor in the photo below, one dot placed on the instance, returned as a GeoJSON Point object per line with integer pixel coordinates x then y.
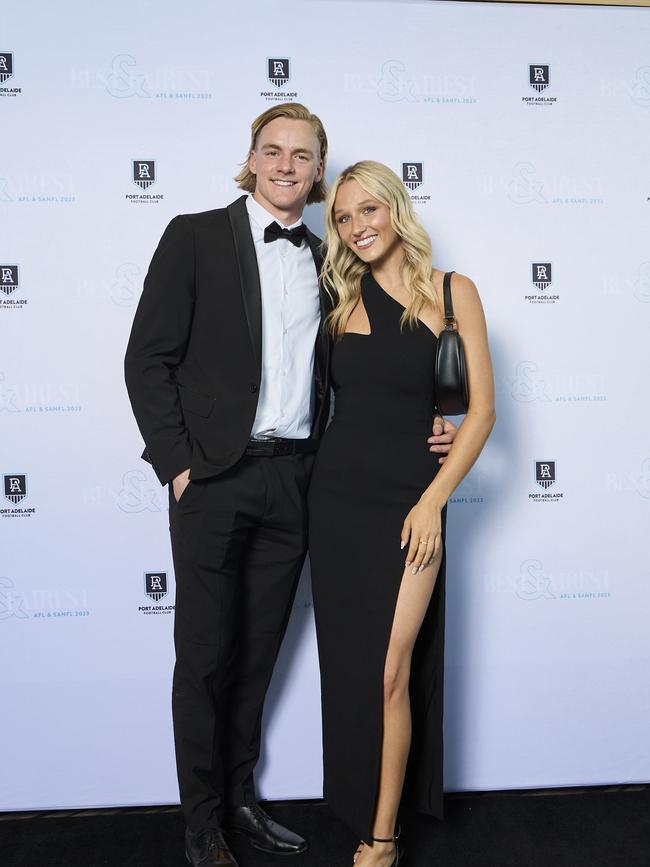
{"type": "Point", "coordinates": [599, 827]}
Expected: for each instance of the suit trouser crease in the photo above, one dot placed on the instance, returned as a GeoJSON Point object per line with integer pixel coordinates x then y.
{"type": "Point", "coordinates": [238, 542]}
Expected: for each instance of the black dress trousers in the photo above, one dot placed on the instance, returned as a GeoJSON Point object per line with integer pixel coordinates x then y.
{"type": "Point", "coordinates": [239, 542]}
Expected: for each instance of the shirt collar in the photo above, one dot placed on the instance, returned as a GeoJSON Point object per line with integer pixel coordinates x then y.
{"type": "Point", "coordinates": [262, 217]}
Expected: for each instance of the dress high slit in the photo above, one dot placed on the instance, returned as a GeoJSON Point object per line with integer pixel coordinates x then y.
{"type": "Point", "coordinates": [372, 467]}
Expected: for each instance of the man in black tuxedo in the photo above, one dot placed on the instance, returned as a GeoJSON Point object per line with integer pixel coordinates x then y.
{"type": "Point", "coordinates": [227, 372]}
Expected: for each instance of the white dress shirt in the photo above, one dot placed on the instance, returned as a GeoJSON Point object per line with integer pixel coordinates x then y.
{"type": "Point", "coordinates": [290, 320]}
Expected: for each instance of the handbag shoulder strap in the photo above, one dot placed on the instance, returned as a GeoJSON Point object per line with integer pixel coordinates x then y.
{"type": "Point", "coordinates": [450, 319]}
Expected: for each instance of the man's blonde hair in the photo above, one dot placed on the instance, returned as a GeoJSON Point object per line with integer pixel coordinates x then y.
{"type": "Point", "coordinates": [294, 111]}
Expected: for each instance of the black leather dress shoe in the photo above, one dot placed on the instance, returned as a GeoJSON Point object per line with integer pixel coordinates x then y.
{"type": "Point", "coordinates": [207, 848]}
{"type": "Point", "coordinates": [262, 832]}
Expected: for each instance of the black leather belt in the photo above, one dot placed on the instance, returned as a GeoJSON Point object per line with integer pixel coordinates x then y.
{"type": "Point", "coordinates": [273, 448]}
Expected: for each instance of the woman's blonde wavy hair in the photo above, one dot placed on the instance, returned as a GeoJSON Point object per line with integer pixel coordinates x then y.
{"type": "Point", "coordinates": [343, 270]}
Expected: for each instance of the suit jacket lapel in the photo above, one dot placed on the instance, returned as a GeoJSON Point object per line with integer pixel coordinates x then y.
{"type": "Point", "coordinates": [249, 274]}
{"type": "Point", "coordinates": [314, 245]}
{"type": "Point", "coordinates": [323, 343]}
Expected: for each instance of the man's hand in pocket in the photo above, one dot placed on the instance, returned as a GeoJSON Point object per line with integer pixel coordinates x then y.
{"type": "Point", "coordinates": [179, 484]}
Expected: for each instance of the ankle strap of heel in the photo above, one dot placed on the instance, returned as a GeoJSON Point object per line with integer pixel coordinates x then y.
{"type": "Point", "coordinates": [388, 839]}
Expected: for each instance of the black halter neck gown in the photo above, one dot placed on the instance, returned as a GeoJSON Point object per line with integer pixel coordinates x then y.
{"type": "Point", "coordinates": [371, 469]}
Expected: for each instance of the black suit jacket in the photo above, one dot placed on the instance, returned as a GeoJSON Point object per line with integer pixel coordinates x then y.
{"type": "Point", "coordinates": [193, 362]}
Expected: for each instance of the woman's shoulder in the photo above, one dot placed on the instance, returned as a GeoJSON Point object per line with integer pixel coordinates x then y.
{"type": "Point", "coordinates": [461, 280]}
{"type": "Point", "coordinates": [462, 286]}
{"type": "Point", "coordinates": [464, 294]}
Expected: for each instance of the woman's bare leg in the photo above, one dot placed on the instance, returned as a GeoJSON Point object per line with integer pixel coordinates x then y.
{"type": "Point", "coordinates": [412, 603]}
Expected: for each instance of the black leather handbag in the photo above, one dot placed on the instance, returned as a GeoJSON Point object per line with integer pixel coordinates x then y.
{"type": "Point", "coordinates": [451, 388]}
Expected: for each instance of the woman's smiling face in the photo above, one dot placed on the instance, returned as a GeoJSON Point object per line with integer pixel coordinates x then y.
{"type": "Point", "coordinates": [364, 223]}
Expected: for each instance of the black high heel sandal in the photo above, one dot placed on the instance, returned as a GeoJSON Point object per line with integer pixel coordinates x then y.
{"type": "Point", "coordinates": [398, 852]}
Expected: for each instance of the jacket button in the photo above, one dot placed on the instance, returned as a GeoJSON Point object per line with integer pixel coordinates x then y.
{"type": "Point", "coordinates": [253, 387]}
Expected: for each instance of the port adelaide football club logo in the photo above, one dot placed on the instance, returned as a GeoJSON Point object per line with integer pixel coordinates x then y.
{"type": "Point", "coordinates": [278, 74]}
{"type": "Point", "coordinates": [413, 178]}
{"type": "Point", "coordinates": [8, 279]}
{"type": "Point", "coordinates": [15, 492]}
{"type": "Point", "coordinates": [412, 175]}
{"type": "Point", "coordinates": [539, 80]}
{"type": "Point", "coordinates": [155, 587]}
{"type": "Point", "coordinates": [9, 283]}
{"type": "Point", "coordinates": [539, 76]}
{"type": "Point", "coordinates": [6, 66]}
{"type": "Point", "coordinates": [542, 274]}
{"type": "Point", "coordinates": [545, 477]}
{"type": "Point", "coordinates": [542, 280]}
{"type": "Point", "coordinates": [143, 175]}
{"type": "Point", "coordinates": [278, 71]}
{"type": "Point", "coordinates": [7, 72]}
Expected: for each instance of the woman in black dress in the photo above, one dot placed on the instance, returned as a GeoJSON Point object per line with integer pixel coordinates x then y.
{"type": "Point", "coordinates": [377, 507]}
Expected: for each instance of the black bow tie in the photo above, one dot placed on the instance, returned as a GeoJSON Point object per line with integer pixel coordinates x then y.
{"type": "Point", "coordinates": [295, 235]}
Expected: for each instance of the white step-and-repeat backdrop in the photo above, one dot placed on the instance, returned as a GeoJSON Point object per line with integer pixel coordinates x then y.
{"type": "Point", "coordinates": [523, 135]}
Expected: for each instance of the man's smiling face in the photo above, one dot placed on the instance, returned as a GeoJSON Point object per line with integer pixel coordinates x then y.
{"type": "Point", "coordinates": [286, 163]}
